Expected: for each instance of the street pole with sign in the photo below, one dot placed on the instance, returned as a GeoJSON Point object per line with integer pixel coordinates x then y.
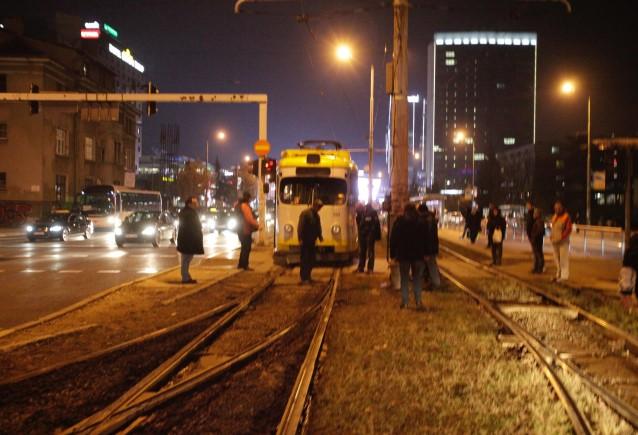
{"type": "Point", "coordinates": [262, 148]}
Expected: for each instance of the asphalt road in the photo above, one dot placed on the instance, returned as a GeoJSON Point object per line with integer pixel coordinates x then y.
{"type": "Point", "coordinates": [42, 277]}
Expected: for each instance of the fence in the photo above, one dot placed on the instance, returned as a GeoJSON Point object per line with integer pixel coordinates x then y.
{"type": "Point", "coordinates": [585, 239]}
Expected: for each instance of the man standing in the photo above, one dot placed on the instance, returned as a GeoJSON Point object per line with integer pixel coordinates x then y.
{"type": "Point", "coordinates": [246, 227]}
{"type": "Point", "coordinates": [190, 240]}
{"type": "Point", "coordinates": [308, 231]}
{"type": "Point", "coordinates": [561, 230]}
{"type": "Point", "coordinates": [369, 232]}
{"type": "Point", "coordinates": [536, 238]}
{"type": "Point", "coordinates": [431, 247]}
{"type": "Point", "coordinates": [529, 223]}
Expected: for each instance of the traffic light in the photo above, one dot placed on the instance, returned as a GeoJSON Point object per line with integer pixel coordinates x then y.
{"type": "Point", "coordinates": [34, 105]}
{"type": "Point", "coordinates": [268, 167]}
{"type": "Point", "coordinates": [151, 106]}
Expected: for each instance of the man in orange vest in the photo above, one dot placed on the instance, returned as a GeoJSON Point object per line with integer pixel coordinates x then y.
{"type": "Point", "coordinates": [561, 230]}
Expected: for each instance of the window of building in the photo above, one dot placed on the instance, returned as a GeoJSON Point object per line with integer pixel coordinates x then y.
{"type": "Point", "coordinates": [3, 132]}
{"type": "Point", "coordinates": [450, 62]}
{"type": "Point", "coordinates": [479, 157]}
{"type": "Point", "coordinates": [3, 181]}
{"type": "Point", "coordinates": [500, 85]}
{"type": "Point", "coordinates": [449, 54]}
{"type": "Point", "coordinates": [89, 149]}
{"type": "Point", "coordinates": [509, 140]}
{"type": "Point", "coordinates": [555, 150]}
{"type": "Point", "coordinates": [60, 188]}
{"type": "Point", "coordinates": [3, 83]}
{"type": "Point", "coordinates": [118, 152]}
{"type": "Point", "coordinates": [61, 142]}
{"type": "Point", "coordinates": [560, 164]}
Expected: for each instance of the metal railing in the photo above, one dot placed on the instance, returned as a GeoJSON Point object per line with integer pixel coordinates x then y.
{"type": "Point", "coordinates": [585, 239]}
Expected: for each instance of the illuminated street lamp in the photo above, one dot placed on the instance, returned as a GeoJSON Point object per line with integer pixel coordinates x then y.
{"type": "Point", "coordinates": [221, 135]}
{"type": "Point", "coordinates": [246, 158]}
{"type": "Point", "coordinates": [458, 137]}
{"type": "Point", "coordinates": [344, 54]}
{"type": "Point", "coordinates": [417, 156]}
{"type": "Point", "coordinates": [568, 87]}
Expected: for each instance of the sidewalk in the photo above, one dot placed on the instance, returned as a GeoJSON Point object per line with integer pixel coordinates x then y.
{"type": "Point", "coordinates": [585, 271]}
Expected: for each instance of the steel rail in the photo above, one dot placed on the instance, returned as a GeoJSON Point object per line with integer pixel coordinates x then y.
{"type": "Point", "coordinates": [620, 406]}
{"type": "Point", "coordinates": [169, 366]}
{"type": "Point", "coordinates": [293, 413]}
{"type": "Point", "coordinates": [132, 411]}
{"type": "Point", "coordinates": [579, 421]}
{"type": "Point", "coordinates": [629, 340]}
{"type": "Point", "coordinates": [109, 350]}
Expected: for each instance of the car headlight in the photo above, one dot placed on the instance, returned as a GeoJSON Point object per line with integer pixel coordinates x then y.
{"type": "Point", "coordinates": [29, 228]}
{"type": "Point", "coordinates": [202, 218]}
{"type": "Point", "coordinates": [211, 224]}
{"type": "Point", "coordinates": [117, 222]}
{"type": "Point", "coordinates": [336, 229]}
{"type": "Point", "coordinates": [56, 228]}
{"type": "Point", "coordinates": [110, 220]}
{"type": "Point", "coordinates": [118, 231]}
{"type": "Point", "coordinates": [148, 231]}
{"type": "Point", "coordinates": [288, 229]}
{"type": "Point", "coordinates": [232, 223]}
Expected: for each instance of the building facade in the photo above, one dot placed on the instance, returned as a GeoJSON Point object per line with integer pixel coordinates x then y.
{"type": "Point", "coordinates": [50, 151]}
{"type": "Point", "coordinates": [481, 100]}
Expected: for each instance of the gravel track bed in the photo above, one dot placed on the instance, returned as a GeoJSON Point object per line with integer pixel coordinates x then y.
{"type": "Point", "coordinates": [128, 315]}
{"type": "Point", "coordinates": [605, 305]}
{"type": "Point", "coordinates": [278, 307]}
{"type": "Point", "coordinates": [505, 290]}
{"type": "Point", "coordinates": [249, 400]}
{"type": "Point", "coordinates": [62, 398]}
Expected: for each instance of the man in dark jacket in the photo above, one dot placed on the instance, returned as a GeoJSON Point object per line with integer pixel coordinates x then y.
{"type": "Point", "coordinates": [190, 240]}
{"type": "Point", "coordinates": [431, 247]}
{"type": "Point", "coordinates": [474, 222]}
{"type": "Point", "coordinates": [369, 232]}
{"type": "Point", "coordinates": [308, 231]}
{"type": "Point", "coordinates": [407, 241]}
{"type": "Point", "coordinates": [536, 236]}
{"type": "Point", "coordinates": [529, 222]}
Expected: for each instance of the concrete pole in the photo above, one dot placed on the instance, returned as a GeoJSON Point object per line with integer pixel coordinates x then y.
{"type": "Point", "coordinates": [399, 174]}
{"type": "Point", "coordinates": [261, 197]}
{"type": "Point", "coordinates": [371, 136]}
{"type": "Point", "coordinates": [423, 137]}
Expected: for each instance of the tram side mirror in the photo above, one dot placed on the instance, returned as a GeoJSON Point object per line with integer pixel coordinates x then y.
{"type": "Point", "coordinates": [266, 188]}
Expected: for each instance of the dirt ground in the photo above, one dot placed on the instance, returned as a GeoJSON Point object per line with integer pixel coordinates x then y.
{"type": "Point", "coordinates": [387, 370]}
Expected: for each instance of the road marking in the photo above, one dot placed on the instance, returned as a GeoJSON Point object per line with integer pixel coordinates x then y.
{"type": "Point", "coordinates": [33, 270]}
{"type": "Point", "coordinates": [69, 271]}
{"type": "Point", "coordinates": [148, 270]}
{"type": "Point", "coordinates": [167, 256]}
{"type": "Point", "coordinates": [108, 271]}
{"type": "Point", "coordinates": [141, 255]}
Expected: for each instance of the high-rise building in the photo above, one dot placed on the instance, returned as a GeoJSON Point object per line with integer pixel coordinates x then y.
{"type": "Point", "coordinates": [481, 99]}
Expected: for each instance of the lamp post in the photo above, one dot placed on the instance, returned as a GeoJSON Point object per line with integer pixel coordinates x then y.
{"type": "Point", "coordinates": [460, 137]}
{"type": "Point", "coordinates": [568, 88]}
{"type": "Point", "coordinates": [343, 53]}
{"type": "Point", "coordinates": [221, 136]}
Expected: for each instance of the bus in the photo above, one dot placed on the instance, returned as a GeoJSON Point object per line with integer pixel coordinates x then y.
{"type": "Point", "coordinates": [107, 204]}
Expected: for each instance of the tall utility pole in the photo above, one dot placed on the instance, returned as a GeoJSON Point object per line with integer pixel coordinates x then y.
{"type": "Point", "coordinates": [399, 174]}
{"type": "Point", "coordinates": [371, 136]}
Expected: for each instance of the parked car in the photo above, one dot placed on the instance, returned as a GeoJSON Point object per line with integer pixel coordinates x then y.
{"type": "Point", "coordinates": [146, 227]}
{"type": "Point", "coordinates": [60, 225]}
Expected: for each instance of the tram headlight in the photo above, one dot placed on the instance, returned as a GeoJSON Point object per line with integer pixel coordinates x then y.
{"type": "Point", "coordinates": [29, 228]}
{"type": "Point", "coordinates": [56, 228]}
{"type": "Point", "coordinates": [288, 230]}
{"type": "Point", "coordinates": [336, 230]}
{"type": "Point", "coordinates": [211, 224]}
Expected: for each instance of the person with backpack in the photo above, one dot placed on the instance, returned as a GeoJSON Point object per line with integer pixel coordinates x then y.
{"type": "Point", "coordinates": [246, 226]}
{"type": "Point", "coordinates": [369, 233]}
{"type": "Point", "coordinates": [496, 226]}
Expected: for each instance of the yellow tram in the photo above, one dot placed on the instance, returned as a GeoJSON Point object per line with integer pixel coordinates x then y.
{"type": "Point", "coordinates": [317, 169]}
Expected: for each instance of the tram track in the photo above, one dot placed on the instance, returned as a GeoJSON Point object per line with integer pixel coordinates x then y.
{"type": "Point", "coordinates": [263, 335]}
{"type": "Point", "coordinates": [566, 340]}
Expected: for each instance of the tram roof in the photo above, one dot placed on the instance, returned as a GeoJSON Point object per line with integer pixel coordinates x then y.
{"type": "Point", "coordinates": [327, 158]}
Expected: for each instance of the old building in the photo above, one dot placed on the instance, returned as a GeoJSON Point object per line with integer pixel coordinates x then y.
{"type": "Point", "coordinates": [50, 151]}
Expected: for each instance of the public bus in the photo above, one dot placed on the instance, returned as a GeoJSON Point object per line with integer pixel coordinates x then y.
{"type": "Point", "coordinates": [318, 169]}
{"type": "Point", "coordinates": [107, 205]}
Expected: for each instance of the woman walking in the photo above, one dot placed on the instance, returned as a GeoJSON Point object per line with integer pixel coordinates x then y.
{"type": "Point", "coordinates": [496, 233]}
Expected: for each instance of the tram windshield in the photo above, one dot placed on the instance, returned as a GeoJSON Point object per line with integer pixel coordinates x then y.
{"type": "Point", "coordinates": [298, 190]}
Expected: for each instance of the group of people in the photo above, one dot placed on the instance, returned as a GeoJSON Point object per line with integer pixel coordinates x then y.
{"type": "Point", "coordinates": [414, 244]}
{"type": "Point", "coordinates": [496, 227]}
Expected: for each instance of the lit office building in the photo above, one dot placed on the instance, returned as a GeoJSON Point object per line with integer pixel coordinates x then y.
{"type": "Point", "coordinates": [481, 100]}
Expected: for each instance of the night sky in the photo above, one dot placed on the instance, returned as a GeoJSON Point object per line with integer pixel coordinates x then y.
{"type": "Point", "coordinates": [202, 46]}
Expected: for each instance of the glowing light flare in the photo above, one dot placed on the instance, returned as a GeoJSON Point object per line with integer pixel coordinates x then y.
{"type": "Point", "coordinates": [459, 136]}
{"type": "Point", "coordinates": [221, 135]}
{"type": "Point", "coordinates": [343, 52]}
{"type": "Point", "coordinates": [568, 87]}
{"type": "Point", "coordinates": [246, 158]}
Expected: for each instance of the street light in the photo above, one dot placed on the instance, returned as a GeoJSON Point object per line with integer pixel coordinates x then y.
{"type": "Point", "coordinates": [344, 54]}
{"type": "Point", "coordinates": [458, 137]}
{"type": "Point", "coordinates": [568, 87]}
{"type": "Point", "coordinates": [221, 135]}
{"type": "Point", "coordinates": [246, 158]}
